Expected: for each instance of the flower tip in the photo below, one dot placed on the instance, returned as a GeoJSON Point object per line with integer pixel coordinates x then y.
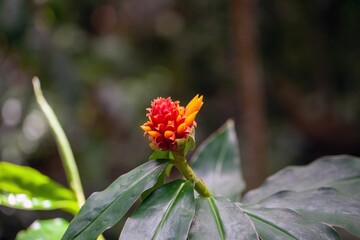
{"type": "Point", "coordinates": [194, 105]}
{"type": "Point", "coordinates": [191, 118]}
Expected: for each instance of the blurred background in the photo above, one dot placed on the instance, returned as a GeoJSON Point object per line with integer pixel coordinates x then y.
{"type": "Point", "coordinates": [287, 72]}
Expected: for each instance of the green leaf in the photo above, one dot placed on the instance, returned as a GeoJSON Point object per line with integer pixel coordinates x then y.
{"type": "Point", "coordinates": [217, 162]}
{"type": "Point", "coordinates": [160, 181]}
{"type": "Point", "coordinates": [26, 188]}
{"type": "Point", "coordinates": [104, 209]}
{"type": "Point", "coordinates": [286, 224]}
{"type": "Point", "coordinates": [326, 190]}
{"type": "Point", "coordinates": [166, 214]}
{"type": "Point", "coordinates": [327, 205]}
{"type": "Point", "coordinates": [219, 218]}
{"type": "Point", "coordinates": [323, 172]}
{"type": "Point", "coordinates": [51, 229]}
{"type": "Point", "coordinates": [159, 154]}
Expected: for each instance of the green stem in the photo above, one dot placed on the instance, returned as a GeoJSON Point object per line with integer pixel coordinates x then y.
{"type": "Point", "coordinates": [63, 145]}
{"type": "Point", "coordinates": [185, 169]}
{"type": "Point", "coordinates": [66, 154]}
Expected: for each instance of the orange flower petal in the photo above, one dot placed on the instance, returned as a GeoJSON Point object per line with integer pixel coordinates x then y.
{"type": "Point", "coordinates": [181, 110]}
{"type": "Point", "coordinates": [190, 119]}
{"type": "Point", "coordinates": [194, 105]}
{"type": "Point", "coordinates": [145, 128]}
{"type": "Point", "coordinates": [181, 128]}
{"type": "Point", "coordinates": [154, 134]}
{"type": "Point", "coordinates": [169, 135]}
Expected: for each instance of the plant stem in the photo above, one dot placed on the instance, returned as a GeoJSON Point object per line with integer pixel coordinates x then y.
{"type": "Point", "coordinates": [66, 154]}
{"type": "Point", "coordinates": [62, 143]}
{"type": "Point", "coordinates": [185, 169]}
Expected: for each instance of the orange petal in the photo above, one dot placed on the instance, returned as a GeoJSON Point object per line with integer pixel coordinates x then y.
{"type": "Point", "coordinates": [194, 105]}
{"type": "Point", "coordinates": [145, 128]}
{"type": "Point", "coordinates": [181, 128]}
{"type": "Point", "coordinates": [181, 110]}
{"type": "Point", "coordinates": [190, 119]}
{"type": "Point", "coordinates": [154, 134]}
{"type": "Point", "coordinates": [169, 135]}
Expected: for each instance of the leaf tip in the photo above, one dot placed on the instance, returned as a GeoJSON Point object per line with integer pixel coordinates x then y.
{"type": "Point", "coordinates": [37, 86]}
{"type": "Point", "coordinates": [230, 122]}
{"type": "Point", "coordinates": [36, 81]}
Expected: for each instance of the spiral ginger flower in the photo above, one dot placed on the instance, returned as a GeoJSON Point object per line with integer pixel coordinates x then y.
{"type": "Point", "coordinates": [169, 122]}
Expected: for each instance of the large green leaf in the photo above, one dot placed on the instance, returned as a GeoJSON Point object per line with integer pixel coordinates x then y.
{"type": "Point", "coordinates": [217, 162]}
{"type": "Point", "coordinates": [325, 171]}
{"type": "Point", "coordinates": [219, 218]}
{"type": "Point", "coordinates": [326, 190]}
{"type": "Point", "coordinates": [286, 224]}
{"type": "Point", "coordinates": [327, 205]}
{"type": "Point", "coordinates": [51, 229]}
{"type": "Point", "coordinates": [26, 188]}
{"type": "Point", "coordinates": [104, 209]}
{"type": "Point", "coordinates": [166, 214]}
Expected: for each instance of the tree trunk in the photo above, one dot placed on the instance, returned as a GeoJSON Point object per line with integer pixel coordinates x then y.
{"type": "Point", "coordinates": [250, 88]}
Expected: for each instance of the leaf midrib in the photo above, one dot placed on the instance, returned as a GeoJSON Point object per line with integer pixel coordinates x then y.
{"type": "Point", "coordinates": [216, 215]}
{"type": "Point", "coordinates": [167, 212]}
{"type": "Point", "coordinates": [132, 185]}
{"type": "Point", "coordinates": [277, 228]}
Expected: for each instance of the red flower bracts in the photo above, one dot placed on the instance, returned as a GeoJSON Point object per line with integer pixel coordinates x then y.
{"type": "Point", "coordinates": [169, 122]}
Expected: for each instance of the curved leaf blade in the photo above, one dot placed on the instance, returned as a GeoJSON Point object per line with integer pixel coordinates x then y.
{"type": "Point", "coordinates": [51, 229]}
{"type": "Point", "coordinates": [219, 218]}
{"type": "Point", "coordinates": [326, 204]}
{"type": "Point", "coordinates": [325, 171]}
{"type": "Point", "coordinates": [26, 188]}
{"type": "Point", "coordinates": [326, 190]}
{"type": "Point", "coordinates": [286, 224]}
{"type": "Point", "coordinates": [104, 209]}
{"type": "Point", "coordinates": [166, 214]}
{"type": "Point", "coordinates": [160, 181]}
{"type": "Point", "coordinates": [217, 162]}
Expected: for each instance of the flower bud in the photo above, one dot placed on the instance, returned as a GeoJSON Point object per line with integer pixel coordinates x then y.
{"type": "Point", "coordinates": [169, 122]}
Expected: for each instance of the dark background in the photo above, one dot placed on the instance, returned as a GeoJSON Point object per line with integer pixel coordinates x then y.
{"type": "Point", "coordinates": [286, 71]}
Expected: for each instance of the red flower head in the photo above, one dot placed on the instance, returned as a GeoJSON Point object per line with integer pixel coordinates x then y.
{"type": "Point", "coordinates": [169, 122]}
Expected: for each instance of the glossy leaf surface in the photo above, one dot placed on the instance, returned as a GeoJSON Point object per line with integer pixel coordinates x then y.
{"type": "Point", "coordinates": [326, 190]}
{"type": "Point", "coordinates": [219, 218]}
{"type": "Point", "coordinates": [217, 162]}
{"type": "Point", "coordinates": [327, 205]}
{"type": "Point", "coordinates": [26, 188]}
{"type": "Point", "coordinates": [51, 229]}
{"type": "Point", "coordinates": [325, 171]}
{"type": "Point", "coordinates": [286, 224]}
{"type": "Point", "coordinates": [160, 181]}
{"type": "Point", "coordinates": [104, 209]}
{"type": "Point", "coordinates": [166, 214]}
{"type": "Point", "coordinates": [159, 154]}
